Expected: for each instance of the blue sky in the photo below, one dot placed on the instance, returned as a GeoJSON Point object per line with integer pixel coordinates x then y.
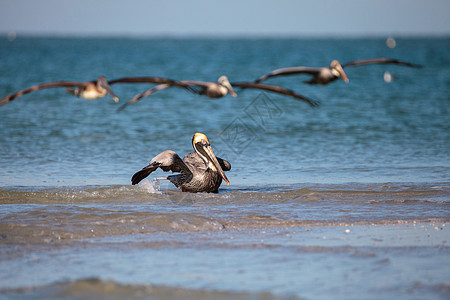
{"type": "Point", "coordinates": [226, 17]}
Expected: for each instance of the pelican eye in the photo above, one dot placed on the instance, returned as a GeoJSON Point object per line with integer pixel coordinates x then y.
{"type": "Point", "coordinates": [204, 142]}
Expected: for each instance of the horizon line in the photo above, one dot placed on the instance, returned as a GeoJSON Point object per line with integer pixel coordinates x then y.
{"type": "Point", "coordinates": [15, 35]}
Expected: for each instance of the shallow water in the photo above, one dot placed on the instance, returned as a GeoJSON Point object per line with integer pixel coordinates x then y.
{"type": "Point", "coordinates": [347, 200]}
{"type": "Point", "coordinates": [250, 243]}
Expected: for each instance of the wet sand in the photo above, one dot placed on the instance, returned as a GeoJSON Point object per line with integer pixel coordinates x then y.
{"type": "Point", "coordinates": [405, 260]}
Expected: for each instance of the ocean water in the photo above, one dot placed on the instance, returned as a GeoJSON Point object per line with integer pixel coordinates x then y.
{"type": "Point", "coordinates": [347, 200]}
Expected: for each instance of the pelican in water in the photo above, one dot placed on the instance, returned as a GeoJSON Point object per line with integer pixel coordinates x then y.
{"type": "Point", "coordinates": [325, 75]}
{"type": "Point", "coordinates": [200, 171]}
{"type": "Point", "coordinates": [220, 89]}
{"type": "Point", "coordinates": [92, 90]}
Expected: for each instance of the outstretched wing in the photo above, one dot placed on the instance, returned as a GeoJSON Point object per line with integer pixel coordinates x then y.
{"type": "Point", "coordinates": [380, 60]}
{"type": "Point", "coordinates": [158, 80]}
{"type": "Point", "coordinates": [16, 95]}
{"type": "Point", "coordinates": [275, 89]}
{"type": "Point", "coordinates": [144, 94]}
{"type": "Point", "coordinates": [289, 71]}
{"type": "Point", "coordinates": [167, 161]}
{"type": "Point", "coordinates": [187, 84]}
{"type": "Point", "coordinates": [155, 89]}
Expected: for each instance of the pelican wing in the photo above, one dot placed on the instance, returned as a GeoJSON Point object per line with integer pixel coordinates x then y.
{"type": "Point", "coordinates": [202, 84]}
{"type": "Point", "coordinates": [158, 80]}
{"type": "Point", "coordinates": [167, 161]}
{"type": "Point", "coordinates": [289, 71]}
{"type": "Point", "coordinates": [16, 95]}
{"type": "Point", "coordinates": [153, 90]}
{"type": "Point", "coordinates": [275, 89]}
{"type": "Point", "coordinates": [224, 164]}
{"type": "Point", "coordinates": [380, 60]}
{"type": "Point", "coordinates": [144, 94]}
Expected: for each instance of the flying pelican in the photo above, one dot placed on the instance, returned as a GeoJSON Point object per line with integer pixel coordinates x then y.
{"type": "Point", "coordinates": [89, 90]}
{"type": "Point", "coordinates": [325, 75]}
{"type": "Point", "coordinates": [210, 89]}
{"type": "Point", "coordinates": [95, 89]}
{"type": "Point", "coordinates": [200, 171]}
{"type": "Point", "coordinates": [220, 89]}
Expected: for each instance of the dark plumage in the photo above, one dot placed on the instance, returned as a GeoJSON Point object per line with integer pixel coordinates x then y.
{"type": "Point", "coordinates": [275, 89]}
{"type": "Point", "coordinates": [200, 171]}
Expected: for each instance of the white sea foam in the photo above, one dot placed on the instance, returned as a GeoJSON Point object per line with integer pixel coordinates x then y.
{"type": "Point", "coordinates": [150, 186]}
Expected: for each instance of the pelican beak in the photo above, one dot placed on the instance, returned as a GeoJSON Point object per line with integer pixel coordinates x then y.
{"type": "Point", "coordinates": [341, 72]}
{"type": "Point", "coordinates": [111, 93]}
{"type": "Point", "coordinates": [232, 92]}
{"type": "Point", "coordinates": [223, 80]}
{"type": "Point", "coordinates": [104, 84]}
{"type": "Point", "coordinates": [205, 149]}
{"type": "Point", "coordinates": [229, 87]}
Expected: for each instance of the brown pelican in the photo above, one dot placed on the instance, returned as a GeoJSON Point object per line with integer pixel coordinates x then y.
{"type": "Point", "coordinates": [88, 90]}
{"type": "Point", "coordinates": [92, 89]}
{"type": "Point", "coordinates": [215, 89]}
{"type": "Point", "coordinates": [325, 75]}
{"type": "Point", "coordinates": [200, 171]}
{"type": "Point", "coordinates": [210, 89]}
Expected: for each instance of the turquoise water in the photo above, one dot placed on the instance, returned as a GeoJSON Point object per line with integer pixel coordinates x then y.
{"type": "Point", "coordinates": [365, 131]}
{"type": "Point", "coordinates": [352, 195]}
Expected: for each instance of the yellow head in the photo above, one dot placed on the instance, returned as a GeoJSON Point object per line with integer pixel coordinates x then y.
{"type": "Point", "coordinates": [203, 148]}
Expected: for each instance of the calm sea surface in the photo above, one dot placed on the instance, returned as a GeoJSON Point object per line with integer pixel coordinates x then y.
{"type": "Point", "coordinates": [347, 200]}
